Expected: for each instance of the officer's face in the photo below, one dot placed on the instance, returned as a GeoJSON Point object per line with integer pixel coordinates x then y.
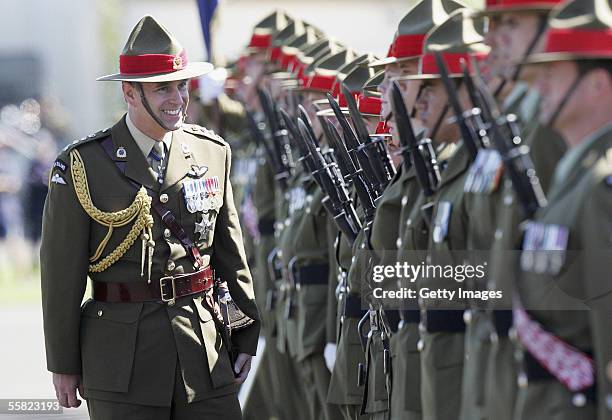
{"type": "Point", "coordinates": [516, 33]}
{"type": "Point", "coordinates": [167, 100]}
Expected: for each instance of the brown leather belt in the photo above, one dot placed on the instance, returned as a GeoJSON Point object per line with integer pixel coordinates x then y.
{"type": "Point", "coordinates": [167, 290]}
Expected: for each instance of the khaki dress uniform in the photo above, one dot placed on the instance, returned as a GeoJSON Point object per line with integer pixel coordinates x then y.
{"type": "Point", "coordinates": [135, 352]}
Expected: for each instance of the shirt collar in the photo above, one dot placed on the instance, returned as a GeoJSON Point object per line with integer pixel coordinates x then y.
{"type": "Point", "coordinates": [144, 142]}
{"type": "Point", "coordinates": [573, 156]}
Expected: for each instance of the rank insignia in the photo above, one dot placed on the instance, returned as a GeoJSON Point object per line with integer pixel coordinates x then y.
{"type": "Point", "coordinates": [59, 164]}
{"type": "Point", "coordinates": [121, 153]}
{"type": "Point", "coordinates": [57, 179]}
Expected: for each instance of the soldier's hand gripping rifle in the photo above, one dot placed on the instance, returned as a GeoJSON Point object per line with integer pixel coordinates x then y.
{"type": "Point", "coordinates": [377, 144]}
{"type": "Point", "coordinates": [515, 156]}
{"type": "Point", "coordinates": [471, 139]}
{"type": "Point", "coordinates": [279, 138]}
{"type": "Point", "coordinates": [354, 173]}
{"type": "Point", "coordinates": [338, 202]}
{"type": "Point", "coordinates": [367, 159]}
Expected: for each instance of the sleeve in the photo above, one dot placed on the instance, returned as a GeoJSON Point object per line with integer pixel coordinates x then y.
{"type": "Point", "coordinates": [596, 236]}
{"type": "Point", "coordinates": [230, 263]}
{"type": "Point", "coordinates": [64, 260]}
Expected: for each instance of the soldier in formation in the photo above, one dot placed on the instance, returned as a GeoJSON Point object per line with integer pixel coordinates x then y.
{"type": "Point", "coordinates": [482, 142]}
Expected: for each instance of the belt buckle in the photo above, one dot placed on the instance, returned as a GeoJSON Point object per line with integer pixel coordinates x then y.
{"type": "Point", "coordinates": [162, 282]}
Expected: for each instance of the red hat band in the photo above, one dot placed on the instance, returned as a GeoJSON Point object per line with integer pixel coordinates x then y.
{"type": "Point", "coordinates": [262, 41]}
{"type": "Point", "coordinates": [369, 105]}
{"type": "Point", "coordinates": [320, 82]}
{"type": "Point", "coordinates": [595, 42]}
{"type": "Point", "coordinates": [152, 63]}
{"type": "Point", "coordinates": [407, 46]}
{"type": "Point", "coordinates": [275, 54]}
{"type": "Point", "coordinates": [383, 128]}
{"type": "Point", "coordinates": [452, 60]}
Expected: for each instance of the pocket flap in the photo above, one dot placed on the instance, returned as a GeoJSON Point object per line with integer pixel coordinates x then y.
{"type": "Point", "coordinates": [126, 313]}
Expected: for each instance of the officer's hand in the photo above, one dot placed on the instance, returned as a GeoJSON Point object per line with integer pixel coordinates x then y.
{"type": "Point", "coordinates": [65, 389]}
{"type": "Point", "coordinates": [242, 367]}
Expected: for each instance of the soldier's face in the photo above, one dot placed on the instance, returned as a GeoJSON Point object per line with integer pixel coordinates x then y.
{"type": "Point", "coordinates": [392, 71]}
{"type": "Point", "coordinates": [431, 104]}
{"type": "Point", "coordinates": [553, 83]}
{"type": "Point", "coordinates": [516, 33]}
{"type": "Point", "coordinates": [494, 61]}
{"type": "Point", "coordinates": [167, 100]}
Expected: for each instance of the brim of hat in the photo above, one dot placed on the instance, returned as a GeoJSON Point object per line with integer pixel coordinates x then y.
{"type": "Point", "coordinates": [544, 58]}
{"type": "Point", "coordinates": [427, 77]}
{"type": "Point", "coordinates": [390, 60]}
{"type": "Point", "coordinates": [497, 11]}
{"type": "Point", "coordinates": [330, 112]}
{"type": "Point", "coordinates": [192, 70]}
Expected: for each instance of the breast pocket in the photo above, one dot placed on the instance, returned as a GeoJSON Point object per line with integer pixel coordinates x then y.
{"type": "Point", "coordinates": [108, 343]}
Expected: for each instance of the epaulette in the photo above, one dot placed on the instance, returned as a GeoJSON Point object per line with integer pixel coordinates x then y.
{"type": "Point", "coordinates": [201, 131]}
{"type": "Point", "coordinates": [95, 136]}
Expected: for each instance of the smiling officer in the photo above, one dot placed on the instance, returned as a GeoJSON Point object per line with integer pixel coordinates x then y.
{"type": "Point", "coordinates": [145, 209]}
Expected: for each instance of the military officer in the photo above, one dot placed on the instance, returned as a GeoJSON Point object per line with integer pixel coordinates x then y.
{"type": "Point", "coordinates": [563, 288]}
{"type": "Point", "coordinates": [145, 209]}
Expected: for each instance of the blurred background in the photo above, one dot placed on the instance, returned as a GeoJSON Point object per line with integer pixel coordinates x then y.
{"type": "Point", "coordinates": [51, 52]}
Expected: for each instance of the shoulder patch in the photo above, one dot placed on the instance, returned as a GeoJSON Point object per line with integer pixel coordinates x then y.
{"type": "Point", "coordinates": [203, 132]}
{"type": "Point", "coordinates": [95, 136]}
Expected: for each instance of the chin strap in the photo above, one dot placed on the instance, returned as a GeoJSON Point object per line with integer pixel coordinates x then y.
{"type": "Point", "coordinates": [565, 100]}
{"type": "Point", "coordinates": [145, 103]}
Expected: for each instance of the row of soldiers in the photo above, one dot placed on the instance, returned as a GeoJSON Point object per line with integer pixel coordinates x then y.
{"type": "Point", "coordinates": [482, 130]}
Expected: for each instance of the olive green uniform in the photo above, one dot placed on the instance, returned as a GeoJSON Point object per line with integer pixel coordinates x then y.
{"type": "Point", "coordinates": [566, 290]}
{"type": "Point", "coordinates": [546, 148]}
{"type": "Point", "coordinates": [443, 329]}
{"type": "Point", "coordinates": [134, 353]}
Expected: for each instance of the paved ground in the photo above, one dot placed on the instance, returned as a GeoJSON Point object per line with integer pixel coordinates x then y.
{"type": "Point", "coordinates": [22, 361]}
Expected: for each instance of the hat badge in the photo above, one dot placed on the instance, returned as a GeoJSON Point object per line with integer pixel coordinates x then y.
{"type": "Point", "coordinates": [177, 64]}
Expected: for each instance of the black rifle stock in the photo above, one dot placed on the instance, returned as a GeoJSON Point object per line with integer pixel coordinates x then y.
{"type": "Point", "coordinates": [428, 173]}
{"type": "Point", "coordinates": [515, 155]}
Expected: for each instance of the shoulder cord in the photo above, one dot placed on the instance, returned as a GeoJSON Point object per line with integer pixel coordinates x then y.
{"type": "Point", "coordinates": [139, 210]}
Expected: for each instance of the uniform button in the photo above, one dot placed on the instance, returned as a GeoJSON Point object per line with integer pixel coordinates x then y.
{"type": "Point", "coordinates": [420, 345]}
{"type": "Point", "coordinates": [512, 334]}
{"type": "Point", "coordinates": [579, 400]}
{"type": "Point", "coordinates": [287, 222]}
{"type": "Point", "coordinates": [398, 243]}
{"type": "Point", "coordinates": [609, 371]}
{"type": "Point", "coordinates": [166, 233]}
{"type": "Point", "coordinates": [609, 401]}
{"type": "Point", "coordinates": [508, 200]}
{"type": "Point", "coordinates": [163, 198]}
{"type": "Point", "coordinates": [467, 316]}
{"type": "Point", "coordinates": [307, 210]}
{"type": "Point", "coordinates": [422, 327]}
{"type": "Point", "coordinates": [363, 246]}
{"type": "Point", "coordinates": [522, 380]}
{"type": "Point", "coordinates": [408, 222]}
{"type": "Point", "coordinates": [493, 337]}
{"type": "Point", "coordinates": [170, 265]}
{"type": "Point", "coordinates": [499, 234]}
{"type": "Point", "coordinates": [309, 198]}
{"type": "Point", "coordinates": [353, 259]}
{"type": "Point", "coordinates": [100, 313]}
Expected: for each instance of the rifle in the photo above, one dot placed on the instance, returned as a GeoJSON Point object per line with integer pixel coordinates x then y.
{"type": "Point", "coordinates": [475, 114]}
{"type": "Point", "coordinates": [376, 143]}
{"type": "Point", "coordinates": [470, 138]}
{"type": "Point", "coordinates": [338, 202]}
{"type": "Point", "coordinates": [279, 138]}
{"type": "Point", "coordinates": [515, 155]}
{"type": "Point", "coordinates": [349, 170]}
{"type": "Point", "coordinates": [427, 170]}
{"type": "Point", "coordinates": [368, 161]}
{"type": "Point", "coordinates": [260, 140]}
